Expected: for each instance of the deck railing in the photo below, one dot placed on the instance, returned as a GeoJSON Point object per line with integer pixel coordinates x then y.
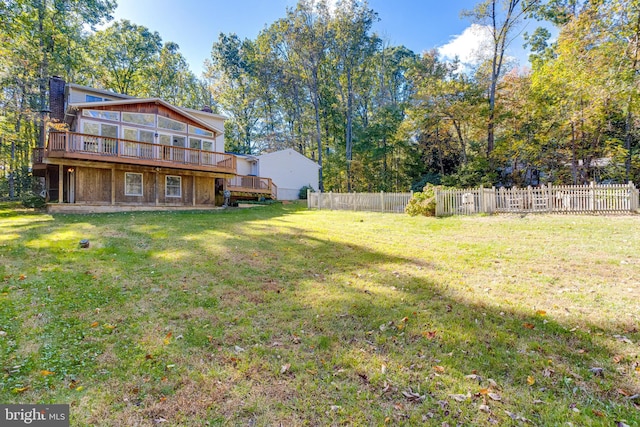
{"type": "Point", "coordinates": [102, 147]}
{"type": "Point", "coordinates": [243, 183]}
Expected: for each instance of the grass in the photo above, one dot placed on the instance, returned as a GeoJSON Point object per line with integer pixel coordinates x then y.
{"type": "Point", "coordinates": [284, 315]}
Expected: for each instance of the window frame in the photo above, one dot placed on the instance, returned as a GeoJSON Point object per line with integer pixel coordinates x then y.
{"type": "Point", "coordinates": [166, 187]}
{"type": "Point", "coordinates": [101, 114]}
{"type": "Point", "coordinates": [126, 176]}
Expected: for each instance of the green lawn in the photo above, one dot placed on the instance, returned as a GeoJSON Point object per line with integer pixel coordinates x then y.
{"type": "Point", "coordinates": [278, 314]}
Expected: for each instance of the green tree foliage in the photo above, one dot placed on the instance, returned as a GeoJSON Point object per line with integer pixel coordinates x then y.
{"type": "Point", "coordinates": [123, 54]}
{"type": "Point", "coordinates": [38, 39]}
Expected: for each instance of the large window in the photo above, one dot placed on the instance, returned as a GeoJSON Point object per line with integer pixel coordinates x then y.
{"type": "Point", "coordinates": [173, 186]}
{"type": "Point", "coordinates": [198, 131]}
{"type": "Point", "coordinates": [132, 184]}
{"type": "Point", "coordinates": [166, 123]}
{"type": "Point", "coordinates": [134, 149]}
{"type": "Point", "coordinates": [106, 144]}
{"type": "Point", "coordinates": [101, 114]}
{"type": "Point", "coordinates": [139, 119]}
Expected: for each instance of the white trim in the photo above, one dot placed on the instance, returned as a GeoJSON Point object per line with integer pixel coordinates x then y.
{"type": "Point", "coordinates": [141, 184]}
{"type": "Point", "coordinates": [166, 188]}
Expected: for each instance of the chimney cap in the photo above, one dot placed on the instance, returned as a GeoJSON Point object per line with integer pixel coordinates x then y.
{"type": "Point", "coordinates": [207, 109]}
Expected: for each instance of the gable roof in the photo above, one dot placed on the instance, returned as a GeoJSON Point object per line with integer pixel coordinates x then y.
{"type": "Point", "coordinates": [129, 101]}
{"type": "Point", "coordinates": [98, 91]}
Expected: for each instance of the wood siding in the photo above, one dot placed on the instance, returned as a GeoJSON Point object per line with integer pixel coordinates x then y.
{"type": "Point", "coordinates": [93, 185]}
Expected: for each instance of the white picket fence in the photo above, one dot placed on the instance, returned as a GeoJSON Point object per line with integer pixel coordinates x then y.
{"type": "Point", "coordinates": [373, 202]}
{"type": "Point", "coordinates": [591, 198]}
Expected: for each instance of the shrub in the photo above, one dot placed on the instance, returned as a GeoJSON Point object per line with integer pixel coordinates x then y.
{"type": "Point", "coordinates": [303, 192]}
{"type": "Point", "coordinates": [423, 203]}
{"type": "Point", "coordinates": [32, 200]}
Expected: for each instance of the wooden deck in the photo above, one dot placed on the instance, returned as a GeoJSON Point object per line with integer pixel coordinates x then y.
{"type": "Point", "coordinates": [72, 145]}
{"type": "Point", "coordinates": [252, 185]}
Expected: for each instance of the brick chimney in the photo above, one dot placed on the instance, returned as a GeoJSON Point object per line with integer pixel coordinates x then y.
{"type": "Point", "coordinates": [56, 98]}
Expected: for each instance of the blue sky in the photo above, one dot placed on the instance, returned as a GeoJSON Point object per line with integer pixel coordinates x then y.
{"type": "Point", "coordinates": [195, 24]}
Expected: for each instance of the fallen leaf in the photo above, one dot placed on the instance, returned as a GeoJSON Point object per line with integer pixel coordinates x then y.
{"type": "Point", "coordinates": [531, 380]}
{"type": "Point", "coordinates": [284, 368]}
{"type": "Point", "coordinates": [597, 413]}
{"type": "Point", "coordinates": [598, 372]}
{"type": "Point", "coordinates": [413, 396]}
{"type": "Point", "coordinates": [20, 389]}
{"type": "Point", "coordinates": [621, 424]}
{"type": "Point", "coordinates": [618, 358]}
{"type": "Point", "coordinates": [429, 334]}
{"type": "Point", "coordinates": [22, 277]}
{"type": "Point", "coordinates": [541, 313]}
{"type": "Point", "coordinates": [484, 408]}
{"type": "Point", "coordinates": [438, 368]}
{"type": "Point", "coordinates": [108, 326]}
{"type": "Point", "coordinates": [494, 396]}
{"type": "Point", "coordinates": [475, 377]}
{"type": "Point", "coordinates": [623, 392]}
{"type": "Point", "coordinates": [458, 397]}
{"type": "Point", "coordinates": [44, 372]}
{"type": "Point", "coordinates": [529, 325]}
{"type": "Point", "coordinates": [484, 391]}
{"type": "Point", "coordinates": [94, 324]}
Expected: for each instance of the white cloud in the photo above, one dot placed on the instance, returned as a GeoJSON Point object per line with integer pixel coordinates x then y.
{"type": "Point", "coordinates": [471, 47]}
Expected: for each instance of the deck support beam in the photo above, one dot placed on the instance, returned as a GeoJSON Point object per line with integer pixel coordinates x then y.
{"type": "Point", "coordinates": [113, 185]}
{"type": "Point", "coordinates": [60, 182]}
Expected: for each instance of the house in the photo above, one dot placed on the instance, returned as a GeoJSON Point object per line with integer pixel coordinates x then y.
{"type": "Point", "coordinates": [110, 152]}
{"type": "Point", "coordinates": [290, 171]}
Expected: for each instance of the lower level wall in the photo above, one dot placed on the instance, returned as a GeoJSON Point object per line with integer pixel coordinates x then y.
{"type": "Point", "coordinates": [131, 185]}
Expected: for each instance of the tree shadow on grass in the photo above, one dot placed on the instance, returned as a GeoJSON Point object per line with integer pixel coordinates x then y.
{"type": "Point", "coordinates": [249, 324]}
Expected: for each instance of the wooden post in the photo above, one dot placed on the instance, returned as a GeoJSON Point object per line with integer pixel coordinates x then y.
{"type": "Point", "coordinates": [319, 199]}
{"type": "Point", "coordinates": [382, 201]}
{"type": "Point", "coordinates": [308, 199]}
{"type": "Point", "coordinates": [438, 204]}
{"type": "Point", "coordinates": [155, 189]}
{"type": "Point", "coordinates": [592, 195]}
{"type": "Point", "coordinates": [549, 197]}
{"type": "Point", "coordinates": [60, 183]}
{"type": "Point", "coordinates": [193, 189]}
{"type": "Point", "coordinates": [331, 200]}
{"type": "Point", "coordinates": [113, 185]}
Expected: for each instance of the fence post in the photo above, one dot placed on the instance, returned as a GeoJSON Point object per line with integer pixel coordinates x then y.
{"type": "Point", "coordinates": [438, 204]}
{"type": "Point", "coordinates": [592, 195]}
{"type": "Point", "coordinates": [482, 204]}
{"type": "Point", "coordinates": [319, 200]}
{"type": "Point", "coordinates": [330, 200]}
{"type": "Point", "coordinates": [549, 197]}
{"type": "Point", "coordinates": [382, 201]}
{"type": "Point", "coordinates": [308, 199]}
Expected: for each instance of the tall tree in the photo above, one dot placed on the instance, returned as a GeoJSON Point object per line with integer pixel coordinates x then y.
{"type": "Point", "coordinates": [353, 48]}
{"type": "Point", "coordinates": [122, 53]}
{"type": "Point", "coordinates": [501, 17]}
